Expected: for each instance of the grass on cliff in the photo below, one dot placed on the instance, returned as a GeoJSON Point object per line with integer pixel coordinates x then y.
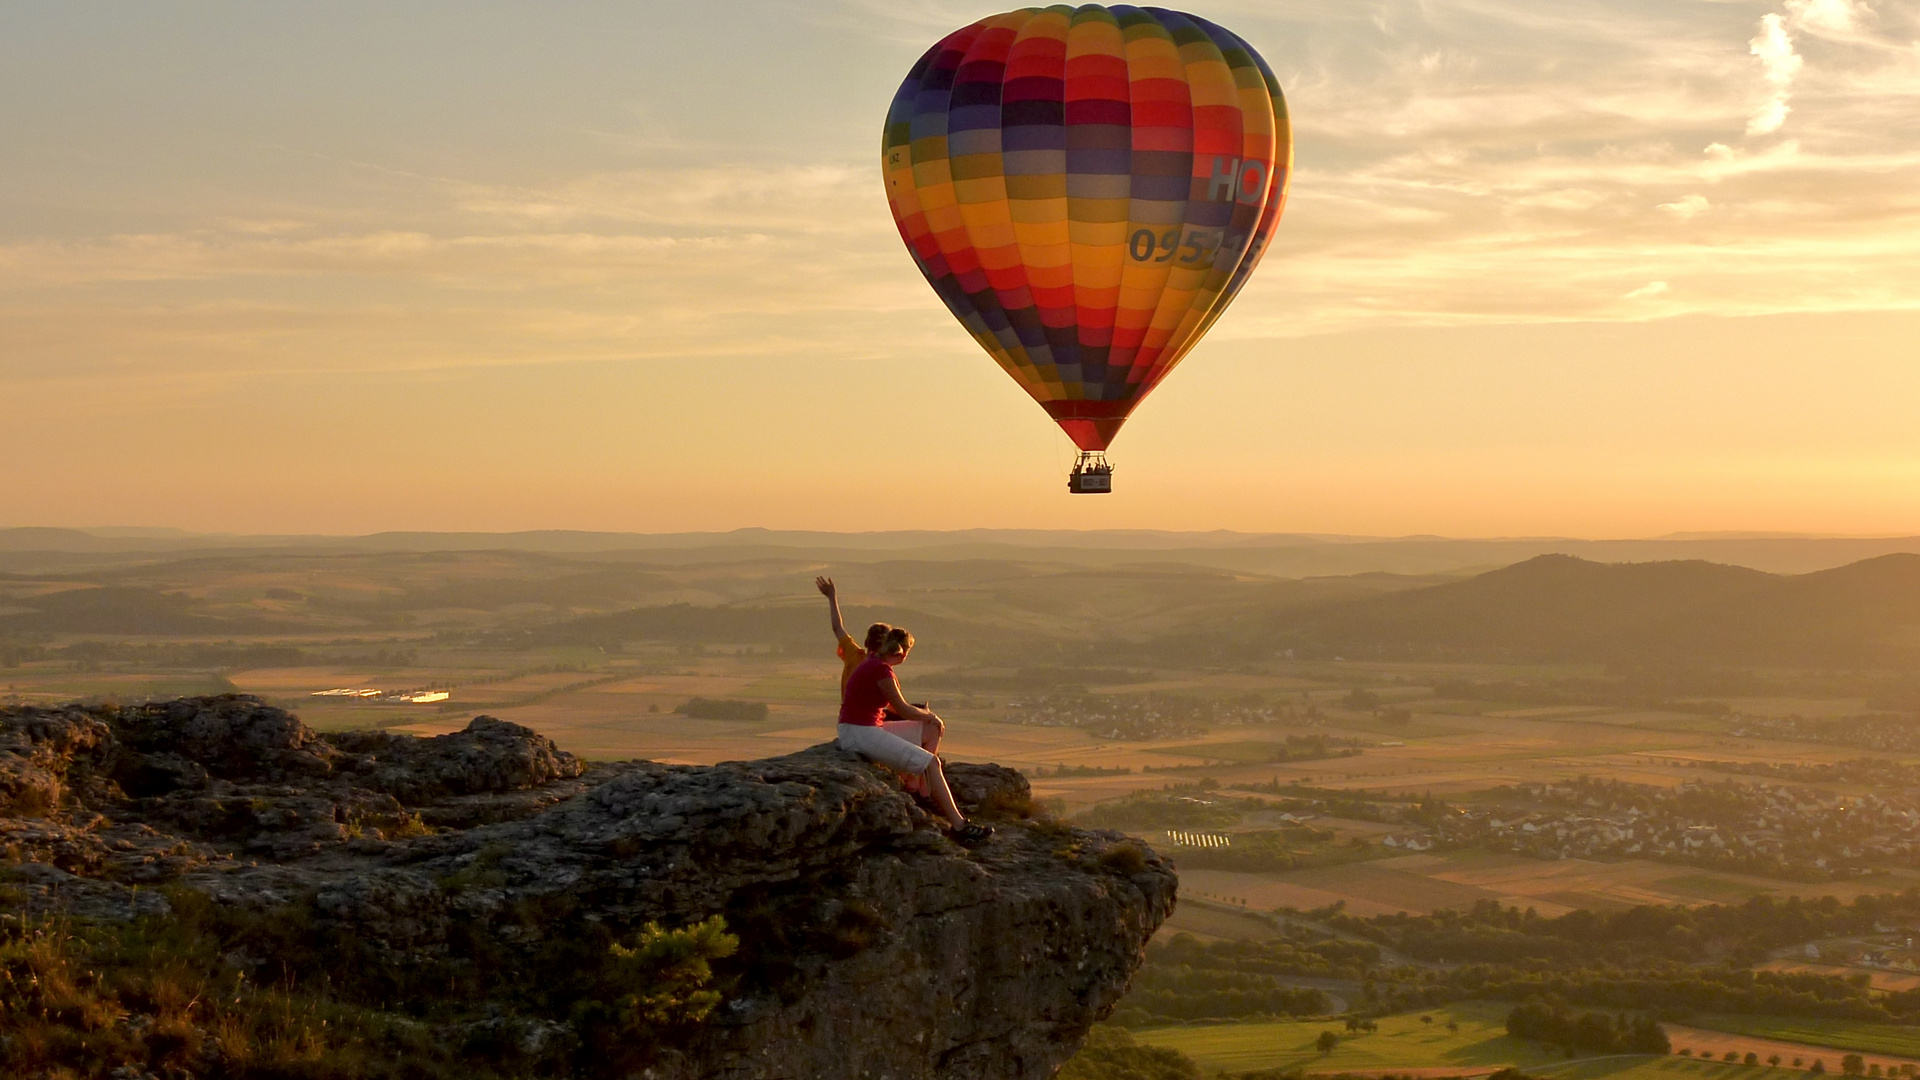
{"type": "Point", "coordinates": [179, 993]}
{"type": "Point", "coordinates": [81, 1000]}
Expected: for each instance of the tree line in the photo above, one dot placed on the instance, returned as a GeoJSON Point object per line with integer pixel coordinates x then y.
{"type": "Point", "coordinates": [1738, 934]}
{"type": "Point", "coordinates": [1594, 1032]}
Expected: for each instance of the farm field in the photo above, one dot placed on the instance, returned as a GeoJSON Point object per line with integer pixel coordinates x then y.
{"type": "Point", "coordinates": [1646, 1067]}
{"type": "Point", "coordinates": [1403, 1043]}
{"type": "Point", "coordinates": [1898, 1039]}
{"type": "Point", "coordinates": [1367, 888]}
{"type": "Point", "coordinates": [1424, 883]}
{"type": "Point", "coordinates": [1213, 922]}
{"type": "Point", "coordinates": [1708, 1043]}
{"type": "Point", "coordinates": [1556, 886]}
{"type": "Point", "coordinates": [1879, 978]}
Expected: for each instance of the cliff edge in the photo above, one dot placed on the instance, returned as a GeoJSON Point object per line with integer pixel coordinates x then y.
{"type": "Point", "coordinates": [484, 904]}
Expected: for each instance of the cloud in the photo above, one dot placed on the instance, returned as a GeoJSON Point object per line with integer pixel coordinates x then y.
{"type": "Point", "coordinates": [1688, 207]}
{"type": "Point", "coordinates": [1778, 66]}
{"type": "Point", "coordinates": [1650, 289]}
{"type": "Point", "coordinates": [1831, 16]}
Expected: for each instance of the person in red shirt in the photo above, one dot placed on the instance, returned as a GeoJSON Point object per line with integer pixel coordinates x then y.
{"type": "Point", "coordinates": [926, 733]}
{"type": "Point", "coordinates": [872, 692]}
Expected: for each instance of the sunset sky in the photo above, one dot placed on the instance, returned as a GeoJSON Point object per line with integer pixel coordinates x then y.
{"type": "Point", "coordinates": [1613, 268]}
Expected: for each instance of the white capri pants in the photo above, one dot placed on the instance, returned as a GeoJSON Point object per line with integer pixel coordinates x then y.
{"type": "Point", "coordinates": [895, 744]}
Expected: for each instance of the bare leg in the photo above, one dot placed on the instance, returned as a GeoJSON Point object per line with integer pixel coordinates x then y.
{"type": "Point", "coordinates": [930, 733]}
{"type": "Point", "coordinates": [917, 784]}
{"type": "Point", "coordinates": [943, 795]}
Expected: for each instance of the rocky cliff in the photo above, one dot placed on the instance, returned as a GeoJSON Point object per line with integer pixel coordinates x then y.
{"type": "Point", "coordinates": [483, 903]}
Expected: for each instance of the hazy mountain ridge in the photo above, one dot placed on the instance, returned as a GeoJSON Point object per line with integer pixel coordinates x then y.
{"type": "Point", "coordinates": [1278, 554]}
{"type": "Point", "coordinates": [1558, 607]}
{"type": "Point", "coordinates": [1005, 610]}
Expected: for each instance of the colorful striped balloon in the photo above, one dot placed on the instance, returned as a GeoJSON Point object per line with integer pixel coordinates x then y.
{"type": "Point", "coordinates": [1087, 188]}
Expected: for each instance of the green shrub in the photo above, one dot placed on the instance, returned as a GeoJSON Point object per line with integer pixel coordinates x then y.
{"type": "Point", "coordinates": [171, 994]}
{"type": "Point", "coordinates": [1126, 857]}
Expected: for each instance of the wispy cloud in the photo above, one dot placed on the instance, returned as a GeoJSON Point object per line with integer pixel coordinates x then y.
{"type": "Point", "coordinates": [668, 264]}
{"type": "Point", "coordinates": [1691, 206]}
{"type": "Point", "coordinates": [1565, 154]}
{"type": "Point", "coordinates": [1778, 65]}
{"type": "Point", "coordinates": [1829, 16]}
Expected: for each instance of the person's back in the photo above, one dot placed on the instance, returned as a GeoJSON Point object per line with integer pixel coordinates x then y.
{"type": "Point", "coordinates": [850, 654]}
{"type": "Point", "coordinates": [863, 700]}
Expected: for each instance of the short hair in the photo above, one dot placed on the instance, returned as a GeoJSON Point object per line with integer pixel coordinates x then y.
{"type": "Point", "coordinates": [876, 636]}
{"type": "Point", "coordinates": [898, 640]}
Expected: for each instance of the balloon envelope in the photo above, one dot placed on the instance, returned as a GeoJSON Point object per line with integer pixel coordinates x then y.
{"type": "Point", "coordinates": [1087, 188]}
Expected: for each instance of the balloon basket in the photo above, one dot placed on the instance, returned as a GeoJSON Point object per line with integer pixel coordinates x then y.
{"type": "Point", "coordinates": [1091, 475]}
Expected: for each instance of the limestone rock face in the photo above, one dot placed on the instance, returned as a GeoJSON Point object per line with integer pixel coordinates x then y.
{"type": "Point", "coordinates": [871, 945]}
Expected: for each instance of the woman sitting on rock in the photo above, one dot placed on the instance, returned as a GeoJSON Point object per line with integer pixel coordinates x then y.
{"type": "Point", "coordinates": [851, 653]}
{"type": "Point", "coordinates": [872, 691]}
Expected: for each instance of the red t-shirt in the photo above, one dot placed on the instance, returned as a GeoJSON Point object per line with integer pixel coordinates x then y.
{"type": "Point", "coordinates": [864, 704]}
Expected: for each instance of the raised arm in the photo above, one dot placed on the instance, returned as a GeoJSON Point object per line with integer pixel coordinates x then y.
{"type": "Point", "coordinates": [825, 585]}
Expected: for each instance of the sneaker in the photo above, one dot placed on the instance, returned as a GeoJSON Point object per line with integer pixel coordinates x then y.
{"type": "Point", "coordinates": [972, 834]}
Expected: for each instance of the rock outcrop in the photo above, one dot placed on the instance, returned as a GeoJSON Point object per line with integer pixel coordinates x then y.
{"type": "Point", "coordinates": [477, 883]}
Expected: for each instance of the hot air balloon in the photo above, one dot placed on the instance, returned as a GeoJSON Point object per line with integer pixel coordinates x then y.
{"type": "Point", "coordinates": [1087, 188]}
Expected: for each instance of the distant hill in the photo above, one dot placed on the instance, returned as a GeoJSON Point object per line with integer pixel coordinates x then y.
{"type": "Point", "coordinates": [1557, 607]}
{"type": "Point", "coordinates": [114, 609]}
{"type": "Point", "coordinates": [1274, 554]}
{"type": "Point", "coordinates": [130, 610]}
{"type": "Point", "coordinates": [1865, 613]}
{"type": "Point", "coordinates": [1552, 605]}
{"type": "Point", "coordinates": [1150, 609]}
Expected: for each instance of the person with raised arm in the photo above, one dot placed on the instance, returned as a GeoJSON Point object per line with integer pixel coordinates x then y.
{"type": "Point", "coordinates": [872, 691]}
{"type": "Point", "coordinates": [925, 733]}
{"type": "Point", "coordinates": [850, 651]}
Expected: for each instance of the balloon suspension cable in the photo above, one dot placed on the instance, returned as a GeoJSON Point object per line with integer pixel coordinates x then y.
{"type": "Point", "coordinates": [1091, 474]}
